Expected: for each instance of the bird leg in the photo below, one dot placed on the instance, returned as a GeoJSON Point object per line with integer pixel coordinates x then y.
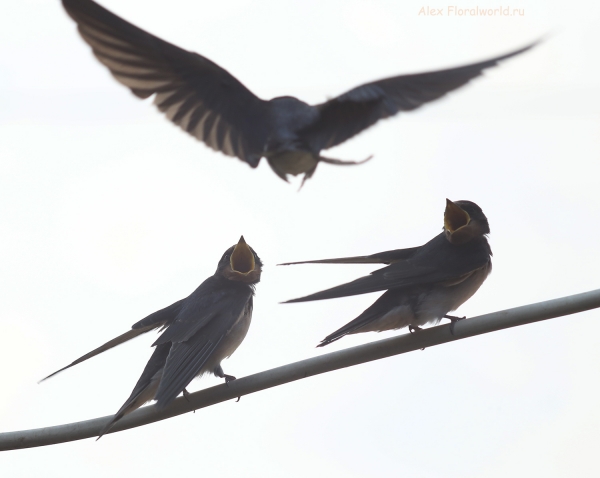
{"type": "Point", "coordinates": [186, 395]}
{"type": "Point", "coordinates": [453, 319]}
{"type": "Point", "coordinates": [219, 373]}
{"type": "Point", "coordinates": [228, 378]}
{"type": "Point", "coordinates": [340, 162]}
{"type": "Point", "coordinates": [415, 328]}
{"type": "Point", "coordinates": [308, 174]}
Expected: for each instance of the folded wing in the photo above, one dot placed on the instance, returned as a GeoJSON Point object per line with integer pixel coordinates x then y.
{"type": "Point", "coordinates": [436, 261]}
{"type": "Point", "coordinates": [194, 341]}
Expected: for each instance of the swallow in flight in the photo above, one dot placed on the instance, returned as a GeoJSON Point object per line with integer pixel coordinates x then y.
{"type": "Point", "coordinates": [198, 332]}
{"type": "Point", "coordinates": [209, 103]}
{"type": "Point", "coordinates": [422, 283]}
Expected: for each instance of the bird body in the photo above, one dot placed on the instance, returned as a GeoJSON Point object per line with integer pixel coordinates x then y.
{"type": "Point", "coordinates": [285, 149]}
{"type": "Point", "coordinates": [423, 283]}
{"type": "Point", "coordinates": [198, 332]}
{"type": "Point", "coordinates": [420, 305]}
{"type": "Point", "coordinates": [209, 103]}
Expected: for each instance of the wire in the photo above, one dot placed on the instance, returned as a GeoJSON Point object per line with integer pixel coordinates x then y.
{"type": "Point", "coordinates": [306, 368]}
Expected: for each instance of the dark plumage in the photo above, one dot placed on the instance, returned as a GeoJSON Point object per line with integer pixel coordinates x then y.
{"type": "Point", "coordinates": [209, 103]}
{"type": "Point", "coordinates": [199, 332]}
{"type": "Point", "coordinates": [423, 283]}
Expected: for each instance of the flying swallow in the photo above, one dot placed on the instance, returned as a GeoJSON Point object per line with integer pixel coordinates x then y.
{"type": "Point", "coordinates": [422, 283]}
{"type": "Point", "coordinates": [198, 332]}
{"type": "Point", "coordinates": [209, 103]}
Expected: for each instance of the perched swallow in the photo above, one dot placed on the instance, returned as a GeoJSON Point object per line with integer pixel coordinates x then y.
{"type": "Point", "coordinates": [423, 283]}
{"type": "Point", "coordinates": [199, 332]}
{"type": "Point", "coordinates": [209, 103]}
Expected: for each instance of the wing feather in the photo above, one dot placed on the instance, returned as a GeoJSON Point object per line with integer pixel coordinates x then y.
{"type": "Point", "coordinates": [386, 257]}
{"type": "Point", "coordinates": [436, 261]}
{"type": "Point", "coordinates": [350, 113]}
{"type": "Point", "coordinates": [193, 346]}
{"type": "Point", "coordinates": [156, 319]}
{"type": "Point", "coordinates": [203, 320]}
{"type": "Point", "coordinates": [182, 81]}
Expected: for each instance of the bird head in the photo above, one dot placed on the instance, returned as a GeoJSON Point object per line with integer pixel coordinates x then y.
{"type": "Point", "coordinates": [240, 263]}
{"type": "Point", "coordinates": [464, 221]}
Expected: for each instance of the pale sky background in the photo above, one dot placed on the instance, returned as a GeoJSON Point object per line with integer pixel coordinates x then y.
{"type": "Point", "coordinates": [108, 213]}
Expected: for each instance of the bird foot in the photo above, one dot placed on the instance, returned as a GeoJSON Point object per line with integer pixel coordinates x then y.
{"type": "Point", "coordinates": [230, 378]}
{"type": "Point", "coordinates": [414, 328]}
{"type": "Point", "coordinates": [219, 373]}
{"type": "Point", "coordinates": [453, 319]}
{"type": "Point", "coordinates": [186, 395]}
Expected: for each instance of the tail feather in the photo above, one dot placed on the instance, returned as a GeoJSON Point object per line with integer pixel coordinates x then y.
{"type": "Point", "coordinates": [130, 334]}
{"type": "Point", "coordinates": [134, 402]}
{"type": "Point", "coordinates": [145, 388]}
{"type": "Point", "coordinates": [386, 257]}
{"type": "Point", "coordinates": [368, 320]}
{"type": "Point", "coordinates": [370, 314]}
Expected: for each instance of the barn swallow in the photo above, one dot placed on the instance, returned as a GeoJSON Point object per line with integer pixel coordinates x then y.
{"type": "Point", "coordinates": [422, 283]}
{"type": "Point", "coordinates": [198, 332]}
{"type": "Point", "coordinates": [209, 103]}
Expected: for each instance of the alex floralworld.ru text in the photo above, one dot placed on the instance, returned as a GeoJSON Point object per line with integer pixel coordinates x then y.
{"type": "Point", "coordinates": [455, 11]}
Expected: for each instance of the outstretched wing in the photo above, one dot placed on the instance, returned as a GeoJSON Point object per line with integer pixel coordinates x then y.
{"type": "Point", "coordinates": [437, 261]}
{"type": "Point", "coordinates": [349, 114]}
{"type": "Point", "coordinates": [195, 93]}
{"type": "Point", "coordinates": [157, 319]}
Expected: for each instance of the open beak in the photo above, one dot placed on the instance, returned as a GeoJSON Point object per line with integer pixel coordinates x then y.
{"type": "Point", "coordinates": [455, 217]}
{"type": "Point", "coordinates": [242, 258]}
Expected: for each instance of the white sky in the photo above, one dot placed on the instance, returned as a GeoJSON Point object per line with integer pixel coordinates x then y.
{"type": "Point", "coordinates": [109, 213]}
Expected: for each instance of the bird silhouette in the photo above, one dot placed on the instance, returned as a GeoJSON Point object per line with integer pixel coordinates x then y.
{"type": "Point", "coordinates": [209, 103]}
{"type": "Point", "coordinates": [199, 332]}
{"type": "Point", "coordinates": [422, 283]}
